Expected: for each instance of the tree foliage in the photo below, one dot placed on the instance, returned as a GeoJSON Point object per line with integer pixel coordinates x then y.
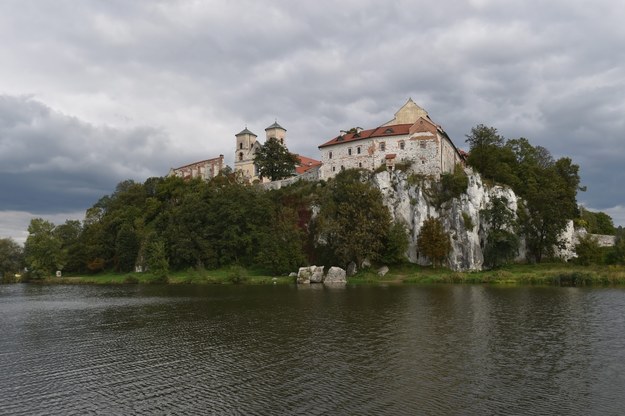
{"type": "Point", "coordinates": [548, 187]}
{"type": "Point", "coordinates": [11, 257]}
{"type": "Point", "coordinates": [588, 250]}
{"type": "Point", "coordinates": [596, 222]}
{"type": "Point", "coordinates": [433, 241]}
{"type": "Point", "coordinates": [43, 249]}
{"type": "Point", "coordinates": [502, 242]}
{"type": "Point", "coordinates": [274, 160]}
{"type": "Point", "coordinates": [353, 222]}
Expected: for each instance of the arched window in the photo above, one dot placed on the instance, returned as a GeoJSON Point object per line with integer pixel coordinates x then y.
{"type": "Point", "coordinates": [241, 145]}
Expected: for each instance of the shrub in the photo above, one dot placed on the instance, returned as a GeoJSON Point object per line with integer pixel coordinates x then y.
{"type": "Point", "coordinates": [236, 275]}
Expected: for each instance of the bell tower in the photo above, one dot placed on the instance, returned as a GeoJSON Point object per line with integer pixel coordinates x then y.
{"type": "Point", "coordinates": [244, 153]}
{"type": "Point", "coordinates": [277, 131]}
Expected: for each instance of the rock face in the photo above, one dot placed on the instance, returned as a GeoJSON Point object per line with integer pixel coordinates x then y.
{"type": "Point", "coordinates": [408, 201]}
{"type": "Point", "coordinates": [317, 274]}
{"type": "Point", "coordinates": [335, 275]}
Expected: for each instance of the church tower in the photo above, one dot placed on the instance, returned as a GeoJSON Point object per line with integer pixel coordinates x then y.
{"type": "Point", "coordinates": [244, 153]}
{"type": "Point", "coordinates": [277, 131]}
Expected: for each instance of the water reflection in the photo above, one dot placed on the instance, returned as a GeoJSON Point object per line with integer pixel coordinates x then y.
{"type": "Point", "coordinates": [313, 350]}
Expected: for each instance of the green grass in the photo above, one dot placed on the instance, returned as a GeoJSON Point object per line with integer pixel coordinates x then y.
{"type": "Point", "coordinates": [225, 275]}
{"type": "Point", "coordinates": [558, 274]}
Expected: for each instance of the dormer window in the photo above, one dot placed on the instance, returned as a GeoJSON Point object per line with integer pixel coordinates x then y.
{"type": "Point", "coordinates": [388, 131]}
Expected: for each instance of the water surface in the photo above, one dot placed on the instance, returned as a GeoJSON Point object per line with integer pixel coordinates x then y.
{"type": "Point", "coordinates": [271, 350]}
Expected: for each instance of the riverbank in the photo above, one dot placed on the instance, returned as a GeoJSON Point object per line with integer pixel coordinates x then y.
{"type": "Point", "coordinates": [552, 274]}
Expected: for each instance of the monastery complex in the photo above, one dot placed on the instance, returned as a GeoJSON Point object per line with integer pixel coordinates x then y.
{"type": "Point", "coordinates": [410, 137]}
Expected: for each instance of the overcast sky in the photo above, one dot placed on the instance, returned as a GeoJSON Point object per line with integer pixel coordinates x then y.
{"type": "Point", "coordinates": [96, 92]}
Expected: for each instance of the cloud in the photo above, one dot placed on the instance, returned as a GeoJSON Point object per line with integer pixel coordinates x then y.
{"type": "Point", "coordinates": [51, 161]}
{"type": "Point", "coordinates": [98, 92]}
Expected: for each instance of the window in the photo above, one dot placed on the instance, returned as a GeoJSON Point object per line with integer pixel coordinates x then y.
{"type": "Point", "coordinates": [241, 145]}
{"type": "Point", "coordinates": [330, 155]}
{"type": "Point", "coordinates": [241, 156]}
{"type": "Point", "coordinates": [359, 164]}
{"type": "Point", "coordinates": [342, 167]}
{"type": "Point", "coordinates": [402, 144]}
{"type": "Point", "coordinates": [333, 169]}
{"type": "Point", "coordinates": [358, 150]}
{"type": "Point", "coordinates": [349, 151]}
{"type": "Point", "coordinates": [382, 146]}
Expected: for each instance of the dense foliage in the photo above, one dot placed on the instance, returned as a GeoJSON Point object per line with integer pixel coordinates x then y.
{"type": "Point", "coordinates": [171, 224]}
{"type": "Point", "coordinates": [11, 257]}
{"type": "Point", "coordinates": [548, 187]}
{"type": "Point", "coordinates": [433, 241]}
{"type": "Point", "coordinates": [274, 160]}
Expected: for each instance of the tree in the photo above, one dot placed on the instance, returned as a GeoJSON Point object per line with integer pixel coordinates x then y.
{"type": "Point", "coordinates": [353, 222]}
{"type": "Point", "coordinates": [70, 234]}
{"type": "Point", "coordinates": [11, 257]}
{"type": "Point", "coordinates": [274, 160]}
{"type": "Point", "coordinates": [488, 155]}
{"type": "Point", "coordinates": [502, 243]}
{"type": "Point", "coordinates": [43, 248]}
{"type": "Point", "coordinates": [433, 241]}
{"type": "Point", "coordinates": [281, 248]}
{"type": "Point", "coordinates": [155, 257]}
{"type": "Point", "coordinates": [588, 250]}
{"type": "Point", "coordinates": [395, 244]}
{"type": "Point", "coordinates": [126, 248]}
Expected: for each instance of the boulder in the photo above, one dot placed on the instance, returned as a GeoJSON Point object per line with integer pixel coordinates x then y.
{"type": "Point", "coordinates": [303, 275]}
{"type": "Point", "coordinates": [365, 264]}
{"type": "Point", "coordinates": [317, 274]}
{"type": "Point", "coordinates": [335, 275]}
{"type": "Point", "coordinates": [352, 269]}
{"type": "Point", "coordinates": [382, 271]}
{"type": "Point", "coordinates": [292, 274]}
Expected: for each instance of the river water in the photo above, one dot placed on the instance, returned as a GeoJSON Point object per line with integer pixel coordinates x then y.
{"type": "Point", "coordinates": [286, 350]}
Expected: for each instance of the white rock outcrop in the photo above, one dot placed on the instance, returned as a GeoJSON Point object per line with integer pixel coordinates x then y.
{"type": "Point", "coordinates": [408, 201]}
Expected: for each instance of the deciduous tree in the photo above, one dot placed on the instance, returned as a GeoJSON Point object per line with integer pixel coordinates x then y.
{"type": "Point", "coordinates": [274, 160]}
{"type": "Point", "coordinates": [433, 241]}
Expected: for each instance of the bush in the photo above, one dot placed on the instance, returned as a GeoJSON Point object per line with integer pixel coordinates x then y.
{"type": "Point", "coordinates": [236, 275]}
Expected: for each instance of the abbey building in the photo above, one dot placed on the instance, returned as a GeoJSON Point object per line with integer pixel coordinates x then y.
{"type": "Point", "coordinates": [410, 137]}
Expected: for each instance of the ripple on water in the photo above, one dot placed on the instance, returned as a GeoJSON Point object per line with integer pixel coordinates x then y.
{"type": "Point", "coordinates": [278, 350]}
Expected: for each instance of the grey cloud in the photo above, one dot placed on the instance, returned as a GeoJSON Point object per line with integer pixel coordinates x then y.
{"type": "Point", "coordinates": [194, 73]}
{"type": "Point", "coordinates": [50, 161]}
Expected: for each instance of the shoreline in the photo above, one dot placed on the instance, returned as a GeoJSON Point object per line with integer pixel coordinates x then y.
{"type": "Point", "coordinates": [551, 274]}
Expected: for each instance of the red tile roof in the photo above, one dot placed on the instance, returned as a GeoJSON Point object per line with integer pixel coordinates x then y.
{"type": "Point", "coordinates": [305, 164]}
{"type": "Point", "coordinates": [382, 131]}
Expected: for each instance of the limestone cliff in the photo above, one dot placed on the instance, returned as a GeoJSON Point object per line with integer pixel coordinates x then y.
{"type": "Point", "coordinates": [412, 201]}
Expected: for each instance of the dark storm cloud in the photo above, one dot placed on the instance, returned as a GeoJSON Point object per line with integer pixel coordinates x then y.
{"type": "Point", "coordinates": [196, 72]}
{"type": "Point", "coordinates": [51, 162]}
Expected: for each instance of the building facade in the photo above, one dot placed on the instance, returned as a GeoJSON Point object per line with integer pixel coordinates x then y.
{"type": "Point", "coordinates": [205, 169]}
{"type": "Point", "coordinates": [410, 137]}
{"type": "Point", "coordinates": [247, 146]}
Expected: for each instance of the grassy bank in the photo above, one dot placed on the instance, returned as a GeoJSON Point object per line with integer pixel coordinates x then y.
{"type": "Point", "coordinates": [553, 274]}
